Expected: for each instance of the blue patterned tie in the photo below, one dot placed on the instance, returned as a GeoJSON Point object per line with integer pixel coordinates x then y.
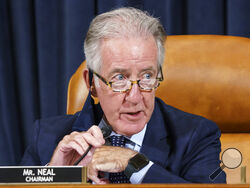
{"type": "Point", "coordinates": [119, 177]}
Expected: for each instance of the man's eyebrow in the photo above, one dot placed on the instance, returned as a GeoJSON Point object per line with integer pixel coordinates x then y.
{"type": "Point", "coordinates": [124, 71]}
{"type": "Point", "coordinates": [117, 70]}
{"type": "Point", "coordinates": [151, 68]}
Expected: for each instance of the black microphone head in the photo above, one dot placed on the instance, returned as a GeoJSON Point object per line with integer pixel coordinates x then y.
{"type": "Point", "coordinates": [106, 129]}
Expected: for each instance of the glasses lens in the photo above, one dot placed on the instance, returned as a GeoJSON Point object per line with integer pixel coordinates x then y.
{"type": "Point", "coordinates": [145, 84]}
{"type": "Point", "coordinates": [120, 85]}
{"type": "Point", "coordinates": [148, 84]}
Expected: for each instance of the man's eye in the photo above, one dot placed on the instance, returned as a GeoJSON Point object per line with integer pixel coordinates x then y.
{"type": "Point", "coordinates": [119, 77]}
{"type": "Point", "coordinates": [147, 76]}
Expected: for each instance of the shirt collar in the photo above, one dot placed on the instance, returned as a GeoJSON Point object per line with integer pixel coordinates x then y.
{"type": "Point", "coordinates": [138, 138]}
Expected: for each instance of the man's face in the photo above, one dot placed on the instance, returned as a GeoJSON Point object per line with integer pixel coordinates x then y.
{"type": "Point", "coordinates": [133, 59]}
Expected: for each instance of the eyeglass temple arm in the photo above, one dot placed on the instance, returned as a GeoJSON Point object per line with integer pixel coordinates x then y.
{"type": "Point", "coordinates": [161, 78]}
{"type": "Point", "coordinates": [101, 78]}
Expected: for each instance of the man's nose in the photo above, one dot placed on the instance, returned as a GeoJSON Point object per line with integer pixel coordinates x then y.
{"type": "Point", "coordinates": [134, 94]}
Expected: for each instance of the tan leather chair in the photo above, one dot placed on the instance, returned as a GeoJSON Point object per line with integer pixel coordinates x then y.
{"type": "Point", "coordinates": [208, 75]}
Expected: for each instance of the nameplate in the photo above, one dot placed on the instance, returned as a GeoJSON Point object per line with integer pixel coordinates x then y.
{"type": "Point", "coordinates": [46, 174]}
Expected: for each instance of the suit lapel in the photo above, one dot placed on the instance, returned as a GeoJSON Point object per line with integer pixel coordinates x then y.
{"type": "Point", "coordinates": [156, 144]}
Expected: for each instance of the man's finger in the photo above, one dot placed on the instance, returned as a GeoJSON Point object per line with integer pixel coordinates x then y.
{"type": "Point", "coordinates": [81, 141]}
{"type": "Point", "coordinates": [93, 175]}
{"type": "Point", "coordinates": [97, 133]}
{"type": "Point", "coordinates": [90, 139]}
{"type": "Point", "coordinates": [72, 145]}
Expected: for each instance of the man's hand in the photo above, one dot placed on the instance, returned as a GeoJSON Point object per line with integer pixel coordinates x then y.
{"type": "Point", "coordinates": [72, 146]}
{"type": "Point", "coordinates": [108, 159]}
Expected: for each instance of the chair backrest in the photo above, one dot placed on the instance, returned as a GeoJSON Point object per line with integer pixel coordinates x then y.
{"type": "Point", "coordinates": [208, 75]}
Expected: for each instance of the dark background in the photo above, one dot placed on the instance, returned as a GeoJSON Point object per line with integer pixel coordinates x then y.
{"type": "Point", "coordinates": [41, 47]}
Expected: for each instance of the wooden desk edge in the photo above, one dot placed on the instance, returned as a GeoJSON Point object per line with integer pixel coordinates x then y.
{"type": "Point", "coordinates": [125, 185]}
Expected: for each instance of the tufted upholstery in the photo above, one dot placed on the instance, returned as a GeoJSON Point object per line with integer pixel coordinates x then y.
{"type": "Point", "coordinates": [208, 75]}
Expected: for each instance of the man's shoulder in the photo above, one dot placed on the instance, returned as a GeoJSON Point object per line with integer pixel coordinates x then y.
{"type": "Point", "coordinates": [57, 125]}
{"type": "Point", "coordinates": [181, 120]}
{"type": "Point", "coordinates": [175, 112]}
{"type": "Point", "coordinates": [58, 121]}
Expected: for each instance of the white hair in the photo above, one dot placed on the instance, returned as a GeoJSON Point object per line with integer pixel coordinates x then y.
{"type": "Point", "coordinates": [122, 22]}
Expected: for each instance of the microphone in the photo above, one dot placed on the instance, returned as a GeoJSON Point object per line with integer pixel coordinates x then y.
{"type": "Point", "coordinates": [106, 131]}
{"type": "Point", "coordinates": [105, 128]}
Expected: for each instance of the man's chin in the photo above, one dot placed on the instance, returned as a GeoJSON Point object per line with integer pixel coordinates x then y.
{"type": "Point", "coordinates": [129, 129]}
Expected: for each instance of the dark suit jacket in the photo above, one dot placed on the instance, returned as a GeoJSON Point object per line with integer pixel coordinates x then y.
{"type": "Point", "coordinates": [184, 147]}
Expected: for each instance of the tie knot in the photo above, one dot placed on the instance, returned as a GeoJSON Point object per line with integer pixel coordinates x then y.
{"type": "Point", "coordinates": [118, 141]}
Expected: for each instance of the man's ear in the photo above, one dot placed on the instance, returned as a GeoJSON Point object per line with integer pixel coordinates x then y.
{"type": "Point", "coordinates": [85, 75]}
{"type": "Point", "coordinates": [86, 79]}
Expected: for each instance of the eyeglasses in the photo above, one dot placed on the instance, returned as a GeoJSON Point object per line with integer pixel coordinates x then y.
{"type": "Point", "coordinates": [123, 85]}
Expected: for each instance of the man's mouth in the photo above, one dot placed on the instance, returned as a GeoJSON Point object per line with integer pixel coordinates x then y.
{"type": "Point", "coordinates": [133, 113]}
{"type": "Point", "coordinates": [133, 116]}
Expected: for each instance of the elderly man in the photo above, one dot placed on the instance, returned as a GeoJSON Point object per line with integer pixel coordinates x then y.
{"type": "Point", "coordinates": [150, 141]}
